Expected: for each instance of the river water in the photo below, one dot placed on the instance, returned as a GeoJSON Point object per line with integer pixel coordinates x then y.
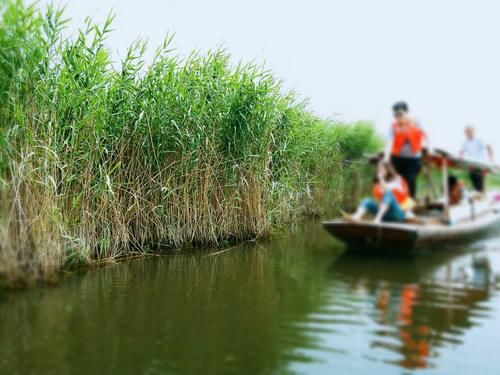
{"type": "Point", "coordinates": [292, 305]}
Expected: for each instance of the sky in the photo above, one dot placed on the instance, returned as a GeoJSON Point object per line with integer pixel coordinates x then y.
{"type": "Point", "coordinates": [351, 58]}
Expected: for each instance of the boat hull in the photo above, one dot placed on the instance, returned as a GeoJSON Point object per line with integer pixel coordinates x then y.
{"type": "Point", "coordinates": [402, 238]}
{"type": "Point", "coordinates": [367, 236]}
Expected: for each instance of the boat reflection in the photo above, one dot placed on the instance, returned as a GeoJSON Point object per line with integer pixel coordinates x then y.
{"type": "Point", "coordinates": [420, 305]}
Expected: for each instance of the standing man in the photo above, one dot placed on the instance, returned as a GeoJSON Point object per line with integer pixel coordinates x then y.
{"type": "Point", "coordinates": [475, 149]}
{"type": "Point", "coordinates": [405, 146]}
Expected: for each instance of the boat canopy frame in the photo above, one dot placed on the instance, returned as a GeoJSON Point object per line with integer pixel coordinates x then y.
{"type": "Point", "coordinates": [443, 160]}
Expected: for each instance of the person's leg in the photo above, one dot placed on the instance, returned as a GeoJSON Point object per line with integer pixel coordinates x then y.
{"type": "Point", "coordinates": [399, 165]}
{"type": "Point", "coordinates": [472, 178]}
{"type": "Point", "coordinates": [394, 211]}
{"type": "Point", "coordinates": [408, 168]}
{"type": "Point", "coordinates": [412, 168]}
{"type": "Point", "coordinates": [411, 180]}
{"type": "Point", "coordinates": [416, 167]}
{"type": "Point", "coordinates": [480, 181]}
{"type": "Point", "coordinates": [476, 178]}
{"type": "Point", "coordinates": [370, 205]}
{"type": "Point", "coordinates": [366, 206]}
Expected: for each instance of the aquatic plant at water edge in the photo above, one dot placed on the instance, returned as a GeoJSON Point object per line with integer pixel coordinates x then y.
{"type": "Point", "coordinates": [99, 160]}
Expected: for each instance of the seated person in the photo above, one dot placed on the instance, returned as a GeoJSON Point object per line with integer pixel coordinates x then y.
{"type": "Point", "coordinates": [391, 202]}
{"type": "Point", "coordinates": [456, 190]}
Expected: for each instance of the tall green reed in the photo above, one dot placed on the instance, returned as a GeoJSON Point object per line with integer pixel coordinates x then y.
{"type": "Point", "coordinates": [99, 161]}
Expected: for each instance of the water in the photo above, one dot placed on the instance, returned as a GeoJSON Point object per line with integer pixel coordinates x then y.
{"type": "Point", "coordinates": [290, 305]}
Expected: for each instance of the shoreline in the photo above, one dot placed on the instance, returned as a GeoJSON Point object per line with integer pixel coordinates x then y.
{"type": "Point", "coordinates": [98, 159]}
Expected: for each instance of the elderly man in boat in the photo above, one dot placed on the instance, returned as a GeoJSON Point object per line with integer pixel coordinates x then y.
{"type": "Point", "coordinates": [391, 198]}
{"type": "Point", "coordinates": [474, 149]}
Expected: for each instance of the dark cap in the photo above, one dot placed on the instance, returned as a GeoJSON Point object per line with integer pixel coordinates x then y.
{"type": "Point", "coordinates": [400, 107]}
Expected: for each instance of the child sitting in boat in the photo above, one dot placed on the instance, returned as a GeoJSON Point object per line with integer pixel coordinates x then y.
{"type": "Point", "coordinates": [391, 198]}
{"type": "Point", "coordinates": [456, 190]}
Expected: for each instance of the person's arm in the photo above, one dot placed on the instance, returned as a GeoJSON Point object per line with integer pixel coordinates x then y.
{"type": "Point", "coordinates": [491, 156]}
{"type": "Point", "coordinates": [383, 206]}
{"type": "Point", "coordinates": [387, 150]}
{"type": "Point", "coordinates": [427, 143]}
{"type": "Point", "coordinates": [461, 154]}
{"type": "Point", "coordinates": [382, 182]}
{"type": "Point", "coordinates": [388, 146]}
{"type": "Point", "coordinates": [426, 140]}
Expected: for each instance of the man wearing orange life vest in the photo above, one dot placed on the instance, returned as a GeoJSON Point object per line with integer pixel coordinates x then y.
{"type": "Point", "coordinates": [391, 199]}
{"type": "Point", "coordinates": [405, 147]}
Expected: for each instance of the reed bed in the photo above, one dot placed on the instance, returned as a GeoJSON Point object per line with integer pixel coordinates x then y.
{"type": "Point", "coordinates": [99, 160]}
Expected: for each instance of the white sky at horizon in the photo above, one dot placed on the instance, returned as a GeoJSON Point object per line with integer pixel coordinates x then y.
{"type": "Point", "coordinates": [351, 58]}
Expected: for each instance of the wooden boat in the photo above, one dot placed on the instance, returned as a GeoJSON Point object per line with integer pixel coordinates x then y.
{"type": "Point", "coordinates": [405, 238]}
{"type": "Point", "coordinates": [437, 224]}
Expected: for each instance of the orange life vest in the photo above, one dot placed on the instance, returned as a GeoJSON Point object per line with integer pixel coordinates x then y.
{"type": "Point", "coordinates": [406, 132]}
{"type": "Point", "coordinates": [401, 192]}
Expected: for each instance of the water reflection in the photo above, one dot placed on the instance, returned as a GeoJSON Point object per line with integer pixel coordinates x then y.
{"type": "Point", "coordinates": [424, 304]}
{"type": "Point", "coordinates": [291, 305]}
